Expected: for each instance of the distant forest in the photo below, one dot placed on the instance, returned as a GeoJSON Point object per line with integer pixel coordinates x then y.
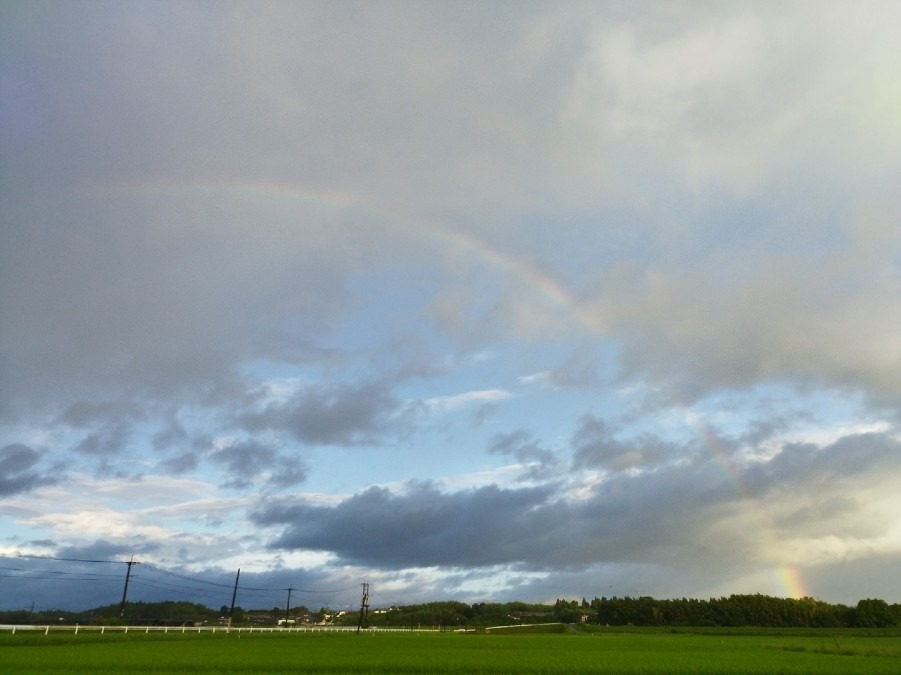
{"type": "Point", "coordinates": [736, 610]}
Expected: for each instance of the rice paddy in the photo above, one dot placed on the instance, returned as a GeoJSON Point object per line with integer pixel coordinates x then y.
{"type": "Point", "coordinates": [604, 651]}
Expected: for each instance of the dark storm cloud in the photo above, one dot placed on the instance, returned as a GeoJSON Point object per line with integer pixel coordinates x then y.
{"type": "Point", "coordinates": [18, 472]}
{"type": "Point", "coordinates": [346, 414]}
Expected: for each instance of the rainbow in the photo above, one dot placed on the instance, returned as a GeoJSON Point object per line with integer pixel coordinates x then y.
{"type": "Point", "coordinates": [787, 577]}
{"type": "Point", "coordinates": [542, 284]}
{"type": "Point", "coordinates": [791, 582]}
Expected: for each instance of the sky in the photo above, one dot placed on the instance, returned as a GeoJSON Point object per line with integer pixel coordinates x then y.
{"type": "Point", "coordinates": [472, 301]}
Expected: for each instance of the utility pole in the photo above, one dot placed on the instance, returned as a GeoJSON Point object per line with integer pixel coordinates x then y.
{"type": "Point", "coordinates": [231, 611]}
{"type": "Point", "coordinates": [288, 606]}
{"type": "Point", "coordinates": [364, 607]}
{"type": "Point", "coordinates": [125, 590]}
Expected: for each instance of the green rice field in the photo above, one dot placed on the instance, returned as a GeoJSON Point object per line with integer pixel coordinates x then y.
{"type": "Point", "coordinates": [601, 651]}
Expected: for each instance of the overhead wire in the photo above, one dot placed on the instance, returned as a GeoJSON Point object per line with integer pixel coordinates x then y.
{"type": "Point", "coordinates": [50, 557]}
{"type": "Point", "coordinates": [191, 586]}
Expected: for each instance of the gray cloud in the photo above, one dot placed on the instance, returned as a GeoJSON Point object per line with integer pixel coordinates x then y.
{"type": "Point", "coordinates": [173, 434]}
{"type": "Point", "coordinates": [166, 286]}
{"type": "Point", "coordinates": [576, 372]}
{"type": "Point", "coordinates": [424, 527]}
{"type": "Point", "coordinates": [245, 462]}
{"type": "Point", "coordinates": [18, 472]}
{"type": "Point", "coordinates": [626, 520]}
{"type": "Point", "coordinates": [668, 517]}
{"type": "Point", "coordinates": [287, 472]}
{"type": "Point", "coordinates": [110, 439]}
{"type": "Point", "coordinates": [230, 233]}
{"type": "Point", "coordinates": [181, 463]}
{"type": "Point", "coordinates": [347, 414]}
{"type": "Point", "coordinates": [713, 323]}
{"type": "Point", "coordinates": [105, 549]}
{"type": "Point", "coordinates": [526, 449]}
{"type": "Point", "coordinates": [18, 458]}
{"type": "Point", "coordinates": [83, 414]}
{"type": "Point", "coordinates": [173, 311]}
{"type": "Point", "coordinates": [818, 512]}
{"type": "Point", "coordinates": [846, 459]}
{"type": "Point", "coordinates": [596, 447]}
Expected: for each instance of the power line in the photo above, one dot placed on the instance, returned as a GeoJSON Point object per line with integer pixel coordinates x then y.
{"type": "Point", "coordinates": [56, 578]}
{"type": "Point", "coordinates": [149, 575]}
{"type": "Point", "coordinates": [243, 588]}
{"type": "Point", "coordinates": [50, 557]}
{"type": "Point", "coordinates": [32, 573]}
{"type": "Point", "coordinates": [150, 566]}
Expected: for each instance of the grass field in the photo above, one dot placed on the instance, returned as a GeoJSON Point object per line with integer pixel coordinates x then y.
{"type": "Point", "coordinates": [607, 650]}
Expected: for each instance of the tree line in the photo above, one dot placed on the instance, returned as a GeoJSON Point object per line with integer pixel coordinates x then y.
{"type": "Point", "coordinates": [735, 610]}
{"type": "Point", "coordinates": [732, 611]}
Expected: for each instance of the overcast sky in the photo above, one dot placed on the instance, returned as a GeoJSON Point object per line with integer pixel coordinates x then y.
{"type": "Point", "coordinates": [474, 301]}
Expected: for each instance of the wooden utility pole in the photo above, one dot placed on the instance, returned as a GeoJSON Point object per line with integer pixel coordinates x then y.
{"type": "Point", "coordinates": [231, 610]}
{"type": "Point", "coordinates": [364, 608]}
{"type": "Point", "coordinates": [125, 590]}
{"type": "Point", "coordinates": [288, 607]}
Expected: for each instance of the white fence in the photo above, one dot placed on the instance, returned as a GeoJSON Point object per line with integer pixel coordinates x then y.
{"type": "Point", "coordinates": [76, 629]}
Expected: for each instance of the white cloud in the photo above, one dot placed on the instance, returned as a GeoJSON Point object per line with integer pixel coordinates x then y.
{"type": "Point", "coordinates": [743, 97]}
{"type": "Point", "coordinates": [453, 402]}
